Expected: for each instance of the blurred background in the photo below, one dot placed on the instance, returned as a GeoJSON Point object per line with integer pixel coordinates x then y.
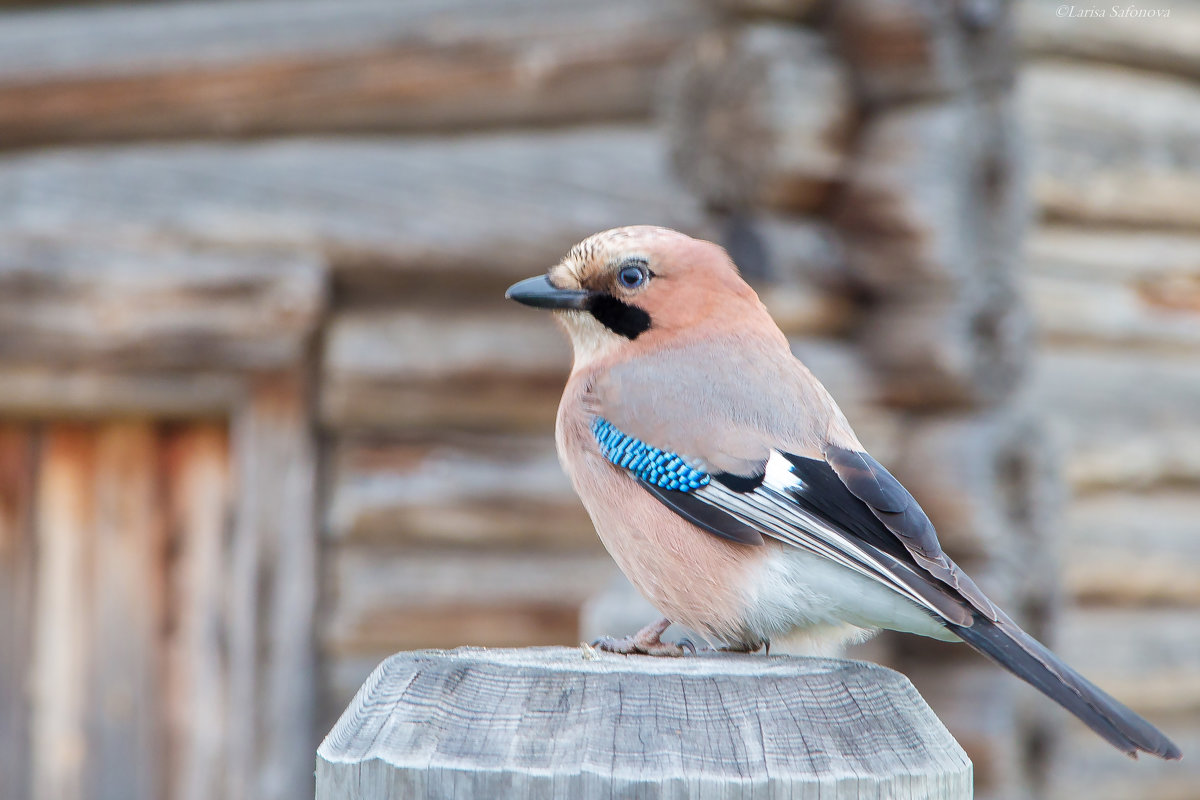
{"type": "Point", "coordinates": [265, 417]}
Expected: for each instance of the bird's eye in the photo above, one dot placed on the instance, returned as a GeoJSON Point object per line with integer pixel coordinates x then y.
{"type": "Point", "coordinates": [632, 277]}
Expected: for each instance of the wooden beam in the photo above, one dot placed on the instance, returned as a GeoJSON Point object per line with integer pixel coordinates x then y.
{"type": "Point", "coordinates": [127, 612]}
{"type": "Point", "coordinates": [208, 69]}
{"type": "Point", "coordinates": [912, 50]}
{"type": "Point", "coordinates": [760, 116]}
{"type": "Point", "coordinates": [946, 350]}
{"type": "Point", "coordinates": [590, 725]}
{"type": "Point", "coordinates": [65, 392]}
{"type": "Point", "coordinates": [1152, 43]}
{"type": "Point", "coordinates": [18, 470]}
{"type": "Point", "coordinates": [272, 592]}
{"type": "Point", "coordinates": [149, 306]}
{"type": "Point", "coordinates": [200, 504]}
{"type": "Point", "coordinates": [935, 196]}
{"type": "Point", "coordinates": [61, 658]}
{"type": "Point", "coordinates": [502, 369]}
{"type": "Point", "coordinates": [477, 212]}
{"type": "Point", "coordinates": [479, 490]}
{"type": "Point", "coordinates": [1113, 146]}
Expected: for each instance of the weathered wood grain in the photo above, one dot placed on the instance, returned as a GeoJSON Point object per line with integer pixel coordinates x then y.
{"type": "Point", "coordinates": [272, 66]}
{"type": "Point", "coordinates": [101, 303]}
{"type": "Point", "coordinates": [801, 10]}
{"type": "Point", "coordinates": [57, 392]}
{"type": "Point", "coordinates": [476, 211]}
{"type": "Point", "coordinates": [1084, 767]}
{"type": "Point", "coordinates": [760, 116]}
{"type": "Point", "coordinates": [18, 468]}
{"type": "Point", "coordinates": [199, 504]}
{"type": "Point", "coordinates": [425, 368]}
{"type": "Point", "coordinates": [1122, 420]}
{"type": "Point", "coordinates": [566, 723]}
{"type": "Point", "coordinates": [1133, 549]}
{"type": "Point", "coordinates": [934, 195]}
{"type": "Point", "coordinates": [1113, 146]}
{"type": "Point", "coordinates": [920, 49]}
{"type": "Point", "coordinates": [942, 349]}
{"type": "Point", "coordinates": [1149, 658]}
{"type": "Point", "coordinates": [482, 491]}
{"type": "Point", "coordinates": [272, 588]}
{"type": "Point", "coordinates": [1126, 289]}
{"type": "Point", "coordinates": [383, 599]}
{"type": "Point", "coordinates": [1166, 44]}
{"type": "Point", "coordinates": [59, 674]}
{"type": "Point", "coordinates": [126, 614]}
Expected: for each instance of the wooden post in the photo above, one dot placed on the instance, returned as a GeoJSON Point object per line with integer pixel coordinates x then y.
{"type": "Point", "coordinates": [565, 722]}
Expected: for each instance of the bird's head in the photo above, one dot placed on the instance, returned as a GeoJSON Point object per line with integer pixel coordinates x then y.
{"type": "Point", "coordinates": [639, 284]}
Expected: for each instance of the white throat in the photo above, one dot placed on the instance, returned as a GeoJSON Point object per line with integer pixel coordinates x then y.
{"type": "Point", "coordinates": [590, 340]}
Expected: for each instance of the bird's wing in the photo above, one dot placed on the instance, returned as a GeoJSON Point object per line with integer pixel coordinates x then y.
{"type": "Point", "coordinates": [767, 453]}
{"type": "Point", "coordinates": [777, 459]}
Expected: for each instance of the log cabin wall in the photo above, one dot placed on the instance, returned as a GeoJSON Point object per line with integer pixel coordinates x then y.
{"type": "Point", "coordinates": [266, 243]}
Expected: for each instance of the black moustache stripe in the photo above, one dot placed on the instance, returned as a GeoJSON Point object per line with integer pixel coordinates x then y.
{"type": "Point", "coordinates": [618, 316]}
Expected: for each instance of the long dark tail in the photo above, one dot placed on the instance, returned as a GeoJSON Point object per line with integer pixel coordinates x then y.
{"type": "Point", "coordinates": [1018, 652]}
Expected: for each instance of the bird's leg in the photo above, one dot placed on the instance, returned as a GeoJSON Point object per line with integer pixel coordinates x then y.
{"type": "Point", "coordinates": [746, 647]}
{"type": "Point", "coordinates": [647, 641]}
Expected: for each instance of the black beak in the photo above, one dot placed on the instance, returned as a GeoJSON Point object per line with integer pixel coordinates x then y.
{"type": "Point", "coordinates": [539, 292]}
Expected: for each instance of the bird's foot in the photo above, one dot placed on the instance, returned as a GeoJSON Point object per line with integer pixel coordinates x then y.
{"type": "Point", "coordinates": [646, 642]}
{"type": "Point", "coordinates": [746, 647]}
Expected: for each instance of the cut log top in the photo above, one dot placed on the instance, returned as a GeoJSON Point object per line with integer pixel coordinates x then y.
{"type": "Point", "coordinates": [565, 722]}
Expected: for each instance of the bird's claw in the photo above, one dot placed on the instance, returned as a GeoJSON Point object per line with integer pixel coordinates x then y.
{"type": "Point", "coordinates": [634, 645]}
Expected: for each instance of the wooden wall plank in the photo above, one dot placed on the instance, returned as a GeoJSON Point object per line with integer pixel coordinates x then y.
{"type": "Point", "coordinates": [273, 579]}
{"type": "Point", "coordinates": [155, 305]}
{"type": "Point", "coordinates": [200, 507]}
{"type": "Point", "coordinates": [273, 66]}
{"type": "Point", "coordinates": [1113, 146]}
{"type": "Point", "coordinates": [17, 472]}
{"type": "Point", "coordinates": [485, 210]}
{"type": "Point", "coordinates": [60, 657]}
{"type": "Point", "coordinates": [126, 607]}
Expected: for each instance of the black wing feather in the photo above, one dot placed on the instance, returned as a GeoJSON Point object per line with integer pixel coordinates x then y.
{"type": "Point", "coordinates": [704, 515]}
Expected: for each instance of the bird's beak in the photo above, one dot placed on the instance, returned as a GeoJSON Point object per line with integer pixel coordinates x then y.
{"type": "Point", "coordinates": [539, 292]}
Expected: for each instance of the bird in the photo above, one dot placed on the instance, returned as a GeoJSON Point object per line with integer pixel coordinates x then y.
{"type": "Point", "coordinates": [730, 489]}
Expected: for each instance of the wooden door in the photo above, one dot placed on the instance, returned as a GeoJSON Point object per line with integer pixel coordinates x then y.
{"type": "Point", "coordinates": [111, 609]}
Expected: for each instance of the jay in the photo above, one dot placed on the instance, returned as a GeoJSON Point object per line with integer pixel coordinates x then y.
{"type": "Point", "coordinates": [731, 490]}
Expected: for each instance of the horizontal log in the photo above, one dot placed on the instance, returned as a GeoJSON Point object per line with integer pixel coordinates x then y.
{"type": "Point", "coordinates": [484, 491]}
{"type": "Point", "coordinates": [1083, 766]}
{"type": "Point", "coordinates": [918, 49]}
{"type": "Point", "coordinates": [205, 68]}
{"type": "Point", "coordinates": [938, 350]}
{"type": "Point", "coordinates": [1133, 549]}
{"type": "Point", "coordinates": [153, 307]}
{"type": "Point", "coordinates": [387, 214]}
{"type": "Point", "coordinates": [1147, 658]}
{"type": "Point", "coordinates": [1150, 43]}
{"type": "Point", "coordinates": [524, 723]}
{"type": "Point", "coordinates": [774, 9]}
{"type": "Point", "coordinates": [504, 369]}
{"type": "Point", "coordinates": [67, 391]}
{"type": "Point", "coordinates": [934, 196]}
{"type": "Point", "coordinates": [1113, 146]}
{"type": "Point", "coordinates": [1123, 420]}
{"type": "Point", "coordinates": [383, 598]}
{"type": "Point", "coordinates": [1138, 289]}
{"type": "Point", "coordinates": [760, 116]}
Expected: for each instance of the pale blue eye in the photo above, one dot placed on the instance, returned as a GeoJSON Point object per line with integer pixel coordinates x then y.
{"type": "Point", "coordinates": [632, 277]}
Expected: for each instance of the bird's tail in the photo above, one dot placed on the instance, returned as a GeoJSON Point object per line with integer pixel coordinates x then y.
{"type": "Point", "coordinates": [1005, 643]}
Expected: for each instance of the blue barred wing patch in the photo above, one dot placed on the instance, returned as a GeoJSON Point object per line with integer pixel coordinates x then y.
{"type": "Point", "coordinates": [656, 467]}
